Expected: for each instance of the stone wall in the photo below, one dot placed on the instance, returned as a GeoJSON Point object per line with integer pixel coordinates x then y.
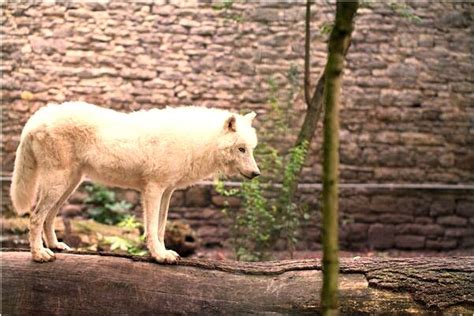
{"type": "Point", "coordinates": [407, 102]}
{"type": "Point", "coordinates": [371, 218]}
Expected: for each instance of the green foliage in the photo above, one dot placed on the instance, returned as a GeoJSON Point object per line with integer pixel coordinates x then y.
{"type": "Point", "coordinates": [129, 222]}
{"type": "Point", "coordinates": [405, 11]}
{"type": "Point", "coordinates": [262, 221]}
{"type": "Point", "coordinates": [119, 243]}
{"type": "Point", "coordinates": [290, 215]}
{"type": "Point", "coordinates": [252, 228]}
{"type": "Point", "coordinates": [224, 5]}
{"type": "Point", "coordinates": [326, 28]}
{"type": "Point", "coordinates": [104, 206]}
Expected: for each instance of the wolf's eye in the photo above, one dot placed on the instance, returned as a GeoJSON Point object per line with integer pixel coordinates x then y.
{"type": "Point", "coordinates": [242, 150]}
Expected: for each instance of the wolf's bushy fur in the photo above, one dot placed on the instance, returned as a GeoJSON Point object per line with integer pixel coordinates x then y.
{"type": "Point", "coordinates": [154, 152]}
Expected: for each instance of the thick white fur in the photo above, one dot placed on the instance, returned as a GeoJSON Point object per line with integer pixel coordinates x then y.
{"type": "Point", "coordinates": [153, 151]}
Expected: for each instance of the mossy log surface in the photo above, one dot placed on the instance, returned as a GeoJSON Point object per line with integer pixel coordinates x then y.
{"type": "Point", "coordinates": [80, 283]}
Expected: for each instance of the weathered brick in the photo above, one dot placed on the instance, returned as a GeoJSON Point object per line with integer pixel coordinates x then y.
{"type": "Point", "coordinates": [383, 204]}
{"type": "Point", "coordinates": [72, 210]}
{"type": "Point", "coordinates": [442, 207]}
{"type": "Point", "coordinates": [197, 196]}
{"type": "Point", "coordinates": [395, 218]}
{"type": "Point", "coordinates": [409, 242]}
{"type": "Point", "coordinates": [459, 232]}
{"type": "Point", "coordinates": [358, 232]}
{"type": "Point", "coordinates": [224, 201]}
{"type": "Point", "coordinates": [443, 244]}
{"type": "Point", "coordinates": [452, 220]}
{"type": "Point", "coordinates": [465, 208]}
{"type": "Point", "coordinates": [177, 199]}
{"type": "Point", "coordinates": [381, 236]}
{"type": "Point", "coordinates": [467, 242]}
{"type": "Point", "coordinates": [430, 230]}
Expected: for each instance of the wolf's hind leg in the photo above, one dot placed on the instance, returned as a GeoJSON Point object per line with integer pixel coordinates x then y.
{"type": "Point", "coordinates": [37, 218]}
{"type": "Point", "coordinates": [52, 186]}
{"type": "Point", "coordinates": [70, 185]}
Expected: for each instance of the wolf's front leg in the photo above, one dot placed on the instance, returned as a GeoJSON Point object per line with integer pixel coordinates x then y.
{"type": "Point", "coordinates": [152, 197]}
{"type": "Point", "coordinates": [165, 204]}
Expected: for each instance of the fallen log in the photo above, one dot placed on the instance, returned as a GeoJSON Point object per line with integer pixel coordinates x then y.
{"type": "Point", "coordinates": [109, 284]}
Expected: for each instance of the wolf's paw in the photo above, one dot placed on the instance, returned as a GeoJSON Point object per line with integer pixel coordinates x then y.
{"type": "Point", "coordinates": [166, 256]}
{"type": "Point", "coordinates": [43, 255]}
{"type": "Point", "coordinates": [61, 246]}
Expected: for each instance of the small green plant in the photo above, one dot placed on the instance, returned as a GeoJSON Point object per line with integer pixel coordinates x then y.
{"type": "Point", "coordinates": [405, 12]}
{"type": "Point", "coordinates": [104, 206]}
{"type": "Point", "coordinates": [326, 28]}
{"type": "Point", "coordinates": [224, 5]}
{"type": "Point", "coordinates": [290, 214]}
{"type": "Point", "coordinates": [253, 228]}
{"type": "Point", "coordinates": [119, 243]}
{"type": "Point", "coordinates": [263, 221]}
{"type": "Point", "coordinates": [130, 222]}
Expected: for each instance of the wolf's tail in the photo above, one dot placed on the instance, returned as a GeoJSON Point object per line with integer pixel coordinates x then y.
{"type": "Point", "coordinates": [24, 179]}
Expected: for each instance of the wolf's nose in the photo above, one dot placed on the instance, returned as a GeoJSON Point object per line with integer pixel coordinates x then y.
{"type": "Point", "coordinates": [255, 174]}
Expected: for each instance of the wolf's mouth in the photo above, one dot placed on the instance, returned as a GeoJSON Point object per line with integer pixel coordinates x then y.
{"type": "Point", "coordinates": [246, 176]}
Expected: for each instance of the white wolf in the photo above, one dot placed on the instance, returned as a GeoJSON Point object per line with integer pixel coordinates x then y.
{"type": "Point", "coordinates": [154, 152]}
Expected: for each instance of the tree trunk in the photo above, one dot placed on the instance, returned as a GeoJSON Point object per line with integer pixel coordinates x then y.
{"type": "Point", "coordinates": [314, 103]}
{"type": "Point", "coordinates": [107, 284]}
{"type": "Point", "coordinates": [338, 43]}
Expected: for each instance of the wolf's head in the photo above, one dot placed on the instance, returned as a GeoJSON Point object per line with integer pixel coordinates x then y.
{"type": "Point", "coordinates": [237, 144]}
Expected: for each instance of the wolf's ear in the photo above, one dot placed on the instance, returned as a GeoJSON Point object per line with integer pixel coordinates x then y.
{"type": "Point", "coordinates": [250, 116]}
{"type": "Point", "coordinates": [229, 125]}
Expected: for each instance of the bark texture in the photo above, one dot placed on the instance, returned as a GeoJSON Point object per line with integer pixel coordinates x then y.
{"type": "Point", "coordinates": [107, 284]}
{"type": "Point", "coordinates": [338, 44]}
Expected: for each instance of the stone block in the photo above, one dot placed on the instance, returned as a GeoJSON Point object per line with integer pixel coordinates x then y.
{"type": "Point", "coordinates": [411, 205]}
{"type": "Point", "coordinates": [467, 243]}
{"type": "Point", "coordinates": [409, 242]}
{"type": "Point", "coordinates": [226, 201]}
{"type": "Point", "coordinates": [383, 204]}
{"type": "Point", "coordinates": [430, 230]}
{"type": "Point", "coordinates": [71, 210]}
{"type": "Point", "coordinates": [357, 232]}
{"type": "Point", "coordinates": [442, 207]}
{"type": "Point", "coordinates": [365, 218]}
{"type": "Point", "coordinates": [381, 237]}
{"type": "Point", "coordinates": [132, 197]}
{"type": "Point", "coordinates": [465, 208]}
{"type": "Point", "coordinates": [441, 244]}
{"type": "Point", "coordinates": [197, 196]}
{"type": "Point", "coordinates": [78, 197]}
{"type": "Point", "coordinates": [177, 199]}
{"type": "Point", "coordinates": [459, 232]}
{"type": "Point", "coordinates": [354, 204]}
{"type": "Point", "coordinates": [452, 220]}
{"type": "Point", "coordinates": [417, 138]}
{"type": "Point", "coordinates": [424, 220]}
{"type": "Point", "coordinates": [138, 73]}
{"type": "Point", "coordinates": [396, 218]}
